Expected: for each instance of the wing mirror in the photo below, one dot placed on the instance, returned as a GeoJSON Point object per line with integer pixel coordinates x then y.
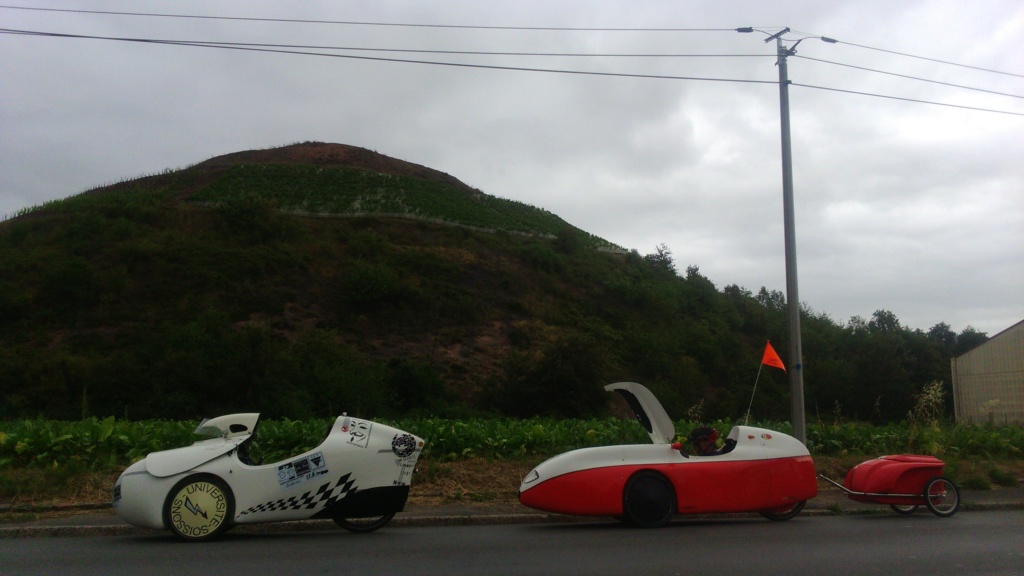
{"type": "Point", "coordinates": [678, 446]}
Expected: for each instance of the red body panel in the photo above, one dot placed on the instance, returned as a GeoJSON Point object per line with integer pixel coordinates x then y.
{"type": "Point", "coordinates": [900, 474]}
{"type": "Point", "coordinates": [701, 487]}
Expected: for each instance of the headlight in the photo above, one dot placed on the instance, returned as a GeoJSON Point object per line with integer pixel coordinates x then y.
{"type": "Point", "coordinates": [533, 476]}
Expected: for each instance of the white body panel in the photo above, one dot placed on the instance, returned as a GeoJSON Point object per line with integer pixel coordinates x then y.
{"type": "Point", "coordinates": [172, 462]}
{"type": "Point", "coordinates": [648, 410]}
{"type": "Point", "coordinates": [356, 456]}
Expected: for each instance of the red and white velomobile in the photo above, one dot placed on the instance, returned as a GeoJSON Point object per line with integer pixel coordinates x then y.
{"type": "Point", "coordinates": [759, 470]}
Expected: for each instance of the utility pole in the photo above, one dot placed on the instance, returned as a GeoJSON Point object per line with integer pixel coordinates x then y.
{"type": "Point", "coordinates": [796, 368]}
{"type": "Point", "coordinates": [796, 355]}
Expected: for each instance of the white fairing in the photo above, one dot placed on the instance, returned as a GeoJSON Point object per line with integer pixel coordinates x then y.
{"type": "Point", "coordinates": [226, 433]}
{"type": "Point", "coordinates": [230, 426]}
{"type": "Point", "coordinates": [171, 462]}
{"type": "Point", "coordinates": [357, 456]}
{"type": "Point", "coordinates": [648, 410]}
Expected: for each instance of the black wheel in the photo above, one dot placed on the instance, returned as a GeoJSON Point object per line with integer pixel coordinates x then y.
{"type": "Point", "coordinates": [941, 496]}
{"type": "Point", "coordinates": [781, 514]}
{"type": "Point", "coordinates": [368, 524]}
{"type": "Point", "coordinates": [648, 501]}
{"type": "Point", "coordinates": [905, 509]}
{"type": "Point", "coordinates": [199, 507]}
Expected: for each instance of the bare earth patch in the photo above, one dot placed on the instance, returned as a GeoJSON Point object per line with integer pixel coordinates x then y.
{"type": "Point", "coordinates": [470, 482]}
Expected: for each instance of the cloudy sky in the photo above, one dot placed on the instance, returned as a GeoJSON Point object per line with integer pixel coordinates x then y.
{"type": "Point", "coordinates": [667, 131]}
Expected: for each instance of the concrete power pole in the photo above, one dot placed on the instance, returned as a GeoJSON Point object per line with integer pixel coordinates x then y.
{"type": "Point", "coordinates": [796, 367]}
{"type": "Point", "coordinates": [796, 355]}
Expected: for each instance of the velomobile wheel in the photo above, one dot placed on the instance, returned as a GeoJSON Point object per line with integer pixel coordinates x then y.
{"type": "Point", "coordinates": [942, 497]}
{"type": "Point", "coordinates": [649, 501]}
{"type": "Point", "coordinates": [780, 514]}
{"type": "Point", "coordinates": [904, 509]}
{"type": "Point", "coordinates": [368, 524]}
{"type": "Point", "coordinates": [199, 508]}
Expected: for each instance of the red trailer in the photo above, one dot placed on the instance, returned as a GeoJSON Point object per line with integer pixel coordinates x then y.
{"type": "Point", "coordinates": [904, 482]}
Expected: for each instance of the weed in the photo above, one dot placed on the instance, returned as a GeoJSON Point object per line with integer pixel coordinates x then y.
{"type": "Point", "coordinates": [1001, 477]}
{"type": "Point", "coordinates": [977, 482]}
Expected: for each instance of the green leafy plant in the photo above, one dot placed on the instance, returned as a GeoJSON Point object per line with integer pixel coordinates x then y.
{"type": "Point", "coordinates": [105, 444]}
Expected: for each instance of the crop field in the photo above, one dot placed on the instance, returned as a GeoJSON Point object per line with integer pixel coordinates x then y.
{"type": "Point", "coordinates": [52, 462]}
{"type": "Point", "coordinates": [107, 444]}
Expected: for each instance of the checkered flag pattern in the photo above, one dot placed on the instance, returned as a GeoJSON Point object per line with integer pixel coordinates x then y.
{"type": "Point", "coordinates": [324, 496]}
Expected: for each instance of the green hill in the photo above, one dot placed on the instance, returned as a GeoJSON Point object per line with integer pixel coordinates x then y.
{"type": "Point", "coordinates": [319, 278]}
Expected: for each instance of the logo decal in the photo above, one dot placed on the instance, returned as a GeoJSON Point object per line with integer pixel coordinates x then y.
{"type": "Point", "coordinates": [299, 471]}
{"type": "Point", "coordinates": [194, 508]}
{"type": "Point", "coordinates": [198, 509]}
{"type": "Point", "coordinates": [359, 433]}
{"type": "Point", "coordinates": [403, 445]}
{"type": "Point", "coordinates": [324, 496]}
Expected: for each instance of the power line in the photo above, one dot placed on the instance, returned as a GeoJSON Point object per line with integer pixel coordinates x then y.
{"type": "Point", "coordinates": [376, 58]}
{"type": "Point", "coordinates": [356, 23]}
{"type": "Point", "coordinates": [834, 41]}
{"type": "Point", "coordinates": [928, 59]}
{"type": "Point", "coordinates": [424, 51]}
{"type": "Point", "coordinates": [909, 77]}
{"type": "Point", "coordinates": [907, 99]}
{"type": "Point", "coordinates": [257, 48]}
{"type": "Point", "coordinates": [478, 27]}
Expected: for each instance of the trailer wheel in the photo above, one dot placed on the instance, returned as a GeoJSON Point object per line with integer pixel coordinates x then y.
{"type": "Point", "coordinates": [941, 496]}
{"type": "Point", "coordinates": [905, 509]}
{"type": "Point", "coordinates": [780, 514]}
{"type": "Point", "coordinates": [649, 500]}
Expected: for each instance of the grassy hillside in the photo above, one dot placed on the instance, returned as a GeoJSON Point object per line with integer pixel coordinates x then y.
{"type": "Point", "coordinates": [320, 278]}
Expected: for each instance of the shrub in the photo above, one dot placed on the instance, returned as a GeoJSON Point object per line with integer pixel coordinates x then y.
{"type": "Point", "coordinates": [1003, 478]}
{"type": "Point", "coordinates": [977, 483]}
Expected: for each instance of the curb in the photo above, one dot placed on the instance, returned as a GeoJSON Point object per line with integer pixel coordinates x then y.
{"type": "Point", "coordinates": [30, 508]}
{"type": "Point", "coordinates": [414, 521]}
{"type": "Point", "coordinates": [294, 526]}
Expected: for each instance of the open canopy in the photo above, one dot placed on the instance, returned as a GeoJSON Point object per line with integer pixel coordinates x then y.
{"type": "Point", "coordinates": [648, 410]}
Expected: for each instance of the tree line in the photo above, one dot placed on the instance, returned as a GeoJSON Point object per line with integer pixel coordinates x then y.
{"type": "Point", "coordinates": [145, 309]}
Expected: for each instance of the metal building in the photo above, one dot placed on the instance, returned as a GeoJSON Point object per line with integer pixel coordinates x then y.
{"type": "Point", "coordinates": [988, 382]}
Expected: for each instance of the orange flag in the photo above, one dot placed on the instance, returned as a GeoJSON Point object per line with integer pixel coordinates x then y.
{"type": "Point", "coordinates": [771, 357]}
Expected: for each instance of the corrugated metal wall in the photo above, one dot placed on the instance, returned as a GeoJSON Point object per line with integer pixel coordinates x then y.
{"type": "Point", "coordinates": [988, 382]}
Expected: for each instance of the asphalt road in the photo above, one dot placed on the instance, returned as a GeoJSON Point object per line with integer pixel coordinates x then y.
{"type": "Point", "coordinates": [977, 543]}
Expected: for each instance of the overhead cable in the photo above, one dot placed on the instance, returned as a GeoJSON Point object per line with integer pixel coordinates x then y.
{"type": "Point", "coordinates": [357, 23]}
{"type": "Point", "coordinates": [378, 58]}
{"type": "Point", "coordinates": [481, 66]}
{"type": "Point", "coordinates": [908, 76]}
{"type": "Point", "coordinates": [907, 99]}
{"type": "Point", "coordinates": [929, 59]}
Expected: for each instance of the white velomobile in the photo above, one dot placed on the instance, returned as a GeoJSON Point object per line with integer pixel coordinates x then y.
{"type": "Point", "coordinates": [758, 470]}
{"type": "Point", "coordinates": [358, 476]}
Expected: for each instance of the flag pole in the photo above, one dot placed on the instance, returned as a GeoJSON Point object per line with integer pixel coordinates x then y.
{"type": "Point", "coordinates": [771, 358]}
{"type": "Point", "coordinates": [759, 367]}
